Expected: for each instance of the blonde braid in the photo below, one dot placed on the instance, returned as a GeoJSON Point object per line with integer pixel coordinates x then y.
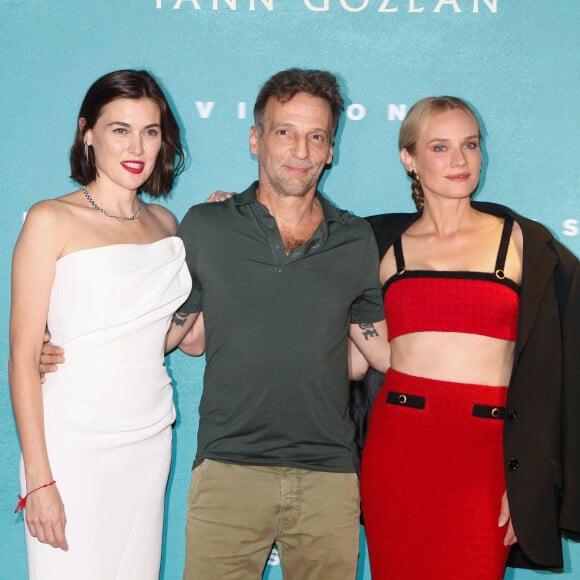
{"type": "Point", "coordinates": [417, 190]}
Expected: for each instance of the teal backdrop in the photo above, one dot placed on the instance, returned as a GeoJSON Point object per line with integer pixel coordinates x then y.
{"type": "Point", "coordinates": [516, 61]}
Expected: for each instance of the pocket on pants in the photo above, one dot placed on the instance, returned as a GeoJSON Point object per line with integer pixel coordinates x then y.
{"type": "Point", "coordinates": [197, 476]}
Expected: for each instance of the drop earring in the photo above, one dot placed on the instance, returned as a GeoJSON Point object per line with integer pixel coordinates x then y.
{"type": "Point", "coordinates": [413, 175]}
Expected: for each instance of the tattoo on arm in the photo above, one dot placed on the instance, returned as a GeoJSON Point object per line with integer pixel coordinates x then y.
{"type": "Point", "coordinates": [179, 318]}
{"type": "Point", "coordinates": [368, 330]}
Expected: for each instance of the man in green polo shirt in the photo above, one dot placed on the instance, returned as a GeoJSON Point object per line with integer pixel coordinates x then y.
{"type": "Point", "coordinates": [283, 279]}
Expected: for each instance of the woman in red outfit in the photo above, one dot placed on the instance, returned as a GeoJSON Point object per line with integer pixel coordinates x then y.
{"type": "Point", "coordinates": [433, 481]}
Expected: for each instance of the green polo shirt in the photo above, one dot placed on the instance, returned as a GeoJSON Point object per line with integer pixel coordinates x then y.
{"type": "Point", "coordinates": [276, 383]}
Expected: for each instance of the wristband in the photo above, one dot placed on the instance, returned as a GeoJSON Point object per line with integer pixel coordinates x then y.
{"type": "Point", "coordinates": [22, 500]}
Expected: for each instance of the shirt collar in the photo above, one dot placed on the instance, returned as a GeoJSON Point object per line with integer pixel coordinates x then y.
{"type": "Point", "coordinates": [330, 212]}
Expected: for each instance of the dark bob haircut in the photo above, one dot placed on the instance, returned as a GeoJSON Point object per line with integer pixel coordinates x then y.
{"type": "Point", "coordinates": [288, 83]}
{"type": "Point", "coordinates": [128, 84]}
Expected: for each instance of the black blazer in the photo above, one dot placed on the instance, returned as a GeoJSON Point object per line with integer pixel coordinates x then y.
{"type": "Point", "coordinates": [542, 431]}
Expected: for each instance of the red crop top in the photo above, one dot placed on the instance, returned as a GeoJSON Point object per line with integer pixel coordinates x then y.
{"type": "Point", "coordinates": [482, 303]}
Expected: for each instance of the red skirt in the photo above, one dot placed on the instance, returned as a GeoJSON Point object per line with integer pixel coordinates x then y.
{"type": "Point", "coordinates": [432, 480]}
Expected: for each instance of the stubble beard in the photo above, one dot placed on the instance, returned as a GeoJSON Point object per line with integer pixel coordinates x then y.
{"type": "Point", "coordinates": [293, 187]}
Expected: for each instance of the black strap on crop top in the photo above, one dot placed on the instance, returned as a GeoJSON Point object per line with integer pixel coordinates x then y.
{"type": "Point", "coordinates": [501, 253]}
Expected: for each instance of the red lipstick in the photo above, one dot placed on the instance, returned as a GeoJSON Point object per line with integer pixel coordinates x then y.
{"type": "Point", "coordinates": [134, 167]}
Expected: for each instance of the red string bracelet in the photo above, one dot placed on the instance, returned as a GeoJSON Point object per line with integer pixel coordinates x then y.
{"type": "Point", "coordinates": [22, 500]}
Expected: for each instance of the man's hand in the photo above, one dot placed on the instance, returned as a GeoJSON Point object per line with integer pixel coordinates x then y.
{"type": "Point", "coordinates": [50, 357]}
{"type": "Point", "coordinates": [194, 341]}
{"type": "Point", "coordinates": [181, 324]}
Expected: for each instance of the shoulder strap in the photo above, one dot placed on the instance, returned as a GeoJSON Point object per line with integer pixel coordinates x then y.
{"type": "Point", "coordinates": [399, 259]}
{"type": "Point", "coordinates": [388, 227]}
{"type": "Point", "coordinates": [503, 246]}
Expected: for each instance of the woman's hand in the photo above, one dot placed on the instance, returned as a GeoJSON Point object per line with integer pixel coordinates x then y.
{"type": "Point", "coordinates": [505, 518]}
{"type": "Point", "coordinates": [219, 196]}
{"type": "Point", "coordinates": [45, 517]}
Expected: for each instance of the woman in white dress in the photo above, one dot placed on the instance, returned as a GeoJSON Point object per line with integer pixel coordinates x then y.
{"type": "Point", "coordinates": [106, 272]}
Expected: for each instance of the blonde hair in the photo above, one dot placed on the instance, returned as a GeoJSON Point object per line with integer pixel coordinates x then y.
{"type": "Point", "coordinates": [415, 122]}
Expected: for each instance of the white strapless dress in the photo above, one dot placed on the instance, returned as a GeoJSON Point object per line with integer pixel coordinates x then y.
{"type": "Point", "coordinates": [108, 410]}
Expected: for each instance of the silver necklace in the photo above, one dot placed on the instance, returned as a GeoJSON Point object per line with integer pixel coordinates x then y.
{"type": "Point", "coordinates": [119, 218]}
